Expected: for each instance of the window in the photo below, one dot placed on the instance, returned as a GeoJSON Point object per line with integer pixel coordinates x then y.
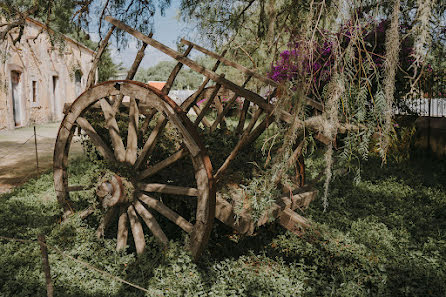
{"type": "Point", "coordinates": [34, 86]}
{"type": "Point", "coordinates": [78, 82]}
{"type": "Point", "coordinates": [34, 94]}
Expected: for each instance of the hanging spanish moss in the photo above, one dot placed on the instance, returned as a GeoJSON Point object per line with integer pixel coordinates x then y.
{"type": "Point", "coordinates": [391, 63]}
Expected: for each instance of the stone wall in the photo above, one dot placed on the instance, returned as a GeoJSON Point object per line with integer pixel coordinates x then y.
{"type": "Point", "coordinates": [48, 77]}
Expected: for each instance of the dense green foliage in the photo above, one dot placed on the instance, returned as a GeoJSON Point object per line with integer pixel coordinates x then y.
{"type": "Point", "coordinates": [384, 236]}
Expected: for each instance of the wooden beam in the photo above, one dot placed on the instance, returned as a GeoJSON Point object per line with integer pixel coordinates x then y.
{"type": "Point", "coordinates": [99, 52]}
{"type": "Point", "coordinates": [230, 63]}
{"type": "Point", "coordinates": [168, 189]}
{"type": "Point", "coordinates": [103, 149]}
{"type": "Point", "coordinates": [228, 106]}
{"type": "Point", "coordinates": [163, 164]}
{"type": "Point", "coordinates": [174, 73]}
{"type": "Point", "coordinates": [253, 97]}
{"type": "Point", "coordinates": [167, 212]}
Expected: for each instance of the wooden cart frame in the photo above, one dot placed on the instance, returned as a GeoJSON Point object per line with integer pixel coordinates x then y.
{"type": "Point", "coordinates": [146, 101]}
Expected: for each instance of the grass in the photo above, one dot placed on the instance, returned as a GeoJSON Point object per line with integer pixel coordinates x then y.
{"type": "Point", "coordinates": [385, 236]}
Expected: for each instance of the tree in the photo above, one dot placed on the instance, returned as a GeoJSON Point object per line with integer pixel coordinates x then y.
{"type": "Point", "coordinates": [349, 85]}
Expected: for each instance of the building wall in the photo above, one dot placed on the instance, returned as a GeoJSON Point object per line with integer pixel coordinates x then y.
{"type": "Point", "coordinates": [48, 72]}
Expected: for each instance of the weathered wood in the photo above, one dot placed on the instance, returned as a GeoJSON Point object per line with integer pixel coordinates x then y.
{"type": "Point", "coordinates": [167, 212]}
{"type": "Point", "coordinates": [225, 213]}
{"type": "Point", "coordinates": [174, 73]}
{"type": "Point", "coordinates": [105, 221]}
{"type": "Point", "coordinates": [151, 222]}
{"type": "Point", "coordinates": [46, 265]}
{"type": "Point", "coordinates": [205, 121]}
{"type": "Point", "coordinates": [207, 105]}
{"type": "Point", "coordinates": [97, 58]}
{"type": "Point", "coordinates": [299, 200]}
{"type": "Point", "coordinates": [230, 63]}
{"type": "Point", "coordinates": [255, 98]}
{"type": "Point", "coordinates": [123, 230]}
{"type": "Point", "coordinates": [132, 134]}
{"type": "Point", "coordinates": [113, 130]}
{"type": "Point", "coordinates": [151, 142]}
{"type": "Point", "coordinates": [137, 232]}
{"type": "Point", "coordinates": [132, 71]}
{"type": "Point", "coordinates": [242, 117]}
{"type": "Point", "coordinates": [293, 221]}
{"type": "Point", "coordinates": [205, 201]}
{"type": "Point", "coordinates": [191, 100]}
{"type": "Point", "coordinates": [96, 139]}
{"type": "Point", "coordinates": [228, 106]}
{"type": "Point", "coordinates": [163, 164]}
{"type": "Point", "coordinates": [168, 189]}
{"type": "Point", "coordinates": [146, 123]}
{"type": "Point", "coordinates": [240, 144]}
{"type": "Point", "coordinates": [111, 192]}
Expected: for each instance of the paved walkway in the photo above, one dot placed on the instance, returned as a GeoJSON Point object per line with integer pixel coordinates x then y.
{"type": "Point", "coordinates": [18, 156]}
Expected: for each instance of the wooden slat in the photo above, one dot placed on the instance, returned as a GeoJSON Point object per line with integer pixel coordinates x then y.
{"type": "Point", "coordinates": [113, 129]}
{"type": "Point", "coordinates": [151, 222]}
{"type": "Point", "coordinates": [132, 72]}
{"type": "Point", "coordinates": [293, 221]}
{"type": "Point", "coordinates": [151, 142]}
{"type": "Point", "coordinates": [97, 58]}
{"type": "Point", "coordinates": [230, 63]}
{"type": "Point", "coordinates": [205, 121]}
{"type": "Point", "coordinates": [174, 73]}
{"type": "Point", "coordinates": [253, 97]}
{"type": "Point", "coordinates": [207, 104]}
{"type": "Point", "coordinates": [240, 144]}
{"type": "Point", "coordinates": [167, 212]}
{"type": "Point", "coordinates": [137, 232]}
{"type": "Point", "coordinates": [168, 189]}
{"type": "Point", "coordinates": [191, 100]}
{"type": "Point", "coordinates": [225, 213]}
{"type": "Point", "coordinates": [228, 106]}
{"type": "Point", "coordinates": [123, 229]}
{"type": "Point", "coordinates": [163, 164]}
{"type": "Point", "coordinates": [242, 118]}
{"type": "Point", "coordinates": [132, 133]}
{"type": "Point", "coordinates": [96, 139]}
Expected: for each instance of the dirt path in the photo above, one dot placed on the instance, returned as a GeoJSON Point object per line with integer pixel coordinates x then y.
{"type": "Point", "coordinates": [18, 156]}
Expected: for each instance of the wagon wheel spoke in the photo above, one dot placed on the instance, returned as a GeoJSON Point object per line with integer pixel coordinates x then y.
{"type": "Point", "coordinates": [109, 215]}
{"type": "Point", "coordinates": [137, 232]}
{"type": "Point", "coordinates": [151, 141]}
{"type": "Point", "coordinates": [113, 129]}
{"type": "Point", "coordinates": [100, 145]}
{"type": "Point", "coordinates": [132, 136]}
{"type": "Point", "coordinates": [166, 212]}
{"type": "Point", "coordinates": [123, 230]}
{"type": "Point", "coordinates": [168, 189]}
{"type": "Point", "coordinates": [152, 170]}
{"type": "Point", "coordinates": [148, 118]}
{"type": "Point", "coordinates": [151, 222]}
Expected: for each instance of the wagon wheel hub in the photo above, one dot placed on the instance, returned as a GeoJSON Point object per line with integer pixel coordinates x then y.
{"type": "Point", "coordinates": [114, 190]}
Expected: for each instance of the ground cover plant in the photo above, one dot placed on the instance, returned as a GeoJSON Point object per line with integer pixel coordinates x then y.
{"type": "Point", "coordinates": [383, 236]}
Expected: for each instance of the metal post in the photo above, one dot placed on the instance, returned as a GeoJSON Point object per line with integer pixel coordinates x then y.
{"type": "Point", "coordinates": [35, 145]}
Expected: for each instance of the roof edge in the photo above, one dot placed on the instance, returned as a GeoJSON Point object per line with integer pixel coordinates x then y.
{"type": "Point", "coordinates": [42, 25]}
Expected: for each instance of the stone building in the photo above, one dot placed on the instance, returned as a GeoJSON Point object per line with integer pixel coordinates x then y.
{"type": "Point", "coordinates": [37, 79]}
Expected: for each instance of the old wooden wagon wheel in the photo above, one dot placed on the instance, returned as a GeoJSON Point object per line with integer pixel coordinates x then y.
{"type": "Point", "coordinates": [131, 191]}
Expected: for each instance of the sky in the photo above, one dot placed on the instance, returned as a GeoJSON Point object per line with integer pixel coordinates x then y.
{"type": "Point", "coordinates": [167, 30]}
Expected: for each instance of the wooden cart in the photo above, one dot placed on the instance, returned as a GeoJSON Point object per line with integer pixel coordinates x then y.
{"type": "Point", "coordinates": [131, 192]}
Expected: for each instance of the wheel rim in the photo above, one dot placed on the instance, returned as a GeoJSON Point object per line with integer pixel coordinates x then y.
{"type": "Point", "coordinates": [142, 203]}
